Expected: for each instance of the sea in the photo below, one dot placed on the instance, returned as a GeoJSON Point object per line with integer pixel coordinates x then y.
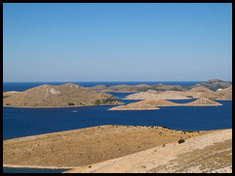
{"type": "Point", "coordinates": [20, 122]}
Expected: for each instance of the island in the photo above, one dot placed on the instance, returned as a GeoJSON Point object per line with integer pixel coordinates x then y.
{"type": "Point", "coordinates": [66, 95]}
{"type": "Point", "coordinates": [153, 104]}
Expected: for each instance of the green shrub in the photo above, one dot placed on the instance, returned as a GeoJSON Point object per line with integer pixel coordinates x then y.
{"type": "Point", "coordinates": [97, 102]}
{"type": "Point", "coordinates": [181, 141]}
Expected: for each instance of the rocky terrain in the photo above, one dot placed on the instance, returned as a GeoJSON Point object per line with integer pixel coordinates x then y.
{"type": "Point", "coordinates": [66, 95]}
{"type": "Point", "coordinates": [155, 103]}
{"type": "Point", "coordinates": [74, 148]}
{"type": "Point", "coordinates": [209, 153]}
{"type": "Point", "coordinates": [213, 84]}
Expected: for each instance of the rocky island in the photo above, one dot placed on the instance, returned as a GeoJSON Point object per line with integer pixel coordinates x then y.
{"type": "Point", "coordinates": [212, 84]}
{"type": "Point", "coordinates": [67, 95]}
{"type": "Point", "coordinates": [195, 92]}
{"type": "Point", "coordinates": [152, 104]}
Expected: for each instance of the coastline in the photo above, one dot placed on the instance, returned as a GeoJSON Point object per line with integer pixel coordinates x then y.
{"type": "Point", "coordinates": [34, 167]}
{"type": "Point", "coordinates": [58, 106]}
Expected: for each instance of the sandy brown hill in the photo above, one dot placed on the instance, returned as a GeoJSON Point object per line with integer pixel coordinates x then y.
{"type": "Point", "coordinates": [157, 95]}
{"type": "Point", "coordinates": [214, 84]}
{"type": "Point", "coordinates": [150, 104]}
{"type": "Point", "coordinates": [81, 147]}
{"type": "Point", "coordinates": [200, 92]}
{"type": "Point", "coordinates": [224, 94]}
{"type": "Point", "coordinates": [141, 105]}
{"type": "Point", "coordinates": [204, 102]}
{"type": "Point", "coordinates": [59, 96]}
{"type": "Point", "coordinates": [163, 87]}
{"type": "Point", "coordinates": [121, 88]}
{"type": "Point", "coordinates": [196, 92]}
{"type": "Point", "coordinates": [209, 153]}
{"type": "Point", "coordinates": [10, 93]}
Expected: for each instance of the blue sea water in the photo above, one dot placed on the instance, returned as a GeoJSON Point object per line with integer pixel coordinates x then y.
{"type": "Point", "coordinates": [27, 170]}
{"type": "Point", "coordinates": [19, 122]}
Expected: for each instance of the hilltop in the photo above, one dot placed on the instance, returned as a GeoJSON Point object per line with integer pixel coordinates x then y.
{"type": "Point", "coordinates": [66, 95]}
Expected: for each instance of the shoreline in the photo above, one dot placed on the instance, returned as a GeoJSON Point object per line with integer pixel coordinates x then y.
{"type": "Point", "coordinates": [34, 167]}
{"type": "Point", "coordinates": [58, 106]}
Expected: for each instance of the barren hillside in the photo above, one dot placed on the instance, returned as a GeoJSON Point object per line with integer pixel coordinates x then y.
{"type": "Point", "coordinates": [155, 103]}
{"type": "Point", "coordinates": [59, 96]}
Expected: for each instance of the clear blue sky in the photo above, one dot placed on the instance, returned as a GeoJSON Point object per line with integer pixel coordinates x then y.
{"type": "Point", "coordinates": [117, 42]}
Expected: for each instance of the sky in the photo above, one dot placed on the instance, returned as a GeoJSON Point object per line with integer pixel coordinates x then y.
{"type": "Point", "coordinates": [116, 42]}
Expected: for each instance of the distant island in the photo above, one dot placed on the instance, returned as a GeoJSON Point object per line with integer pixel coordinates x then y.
{"type": "Point", "coordinates": [73, 95]}
{"type": "Point", "coordinates": [155, 103]}
{"type": "Point", "coordinates": [212, 84]}
{"type": "Point", "coordinates": [196, 92]}
{"type": "Point", "coordinates": [67, 95]}
{"type": "Point", "coordinates": [153, 99]}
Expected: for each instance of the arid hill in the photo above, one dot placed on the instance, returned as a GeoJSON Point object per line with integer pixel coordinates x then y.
{"type": "Point", "coordinates": [74, 148]}
{"type": "Point", "coordinates": [59, 96]}
{"type": "Point", "coordinates": [10, 93]}
{"type": "Point", "coordinates": [196, 92]}
{"type": "Point", "coordinates": [151, 94]}
{"type": "Point", "coordinates": [154, 103]}
{"type": "Point", "coordinates": [214, 84]}
{"type": "Point", "coordinates": [208, 153]}
{"type": "Point", "coordinates": [224, 94]}
{"type": "Point", "coordinates": [121, 88]}
{"type": "Point", "coordinates": [138, 88]}
{"type": "Point", "coordinates": [163, 87]}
